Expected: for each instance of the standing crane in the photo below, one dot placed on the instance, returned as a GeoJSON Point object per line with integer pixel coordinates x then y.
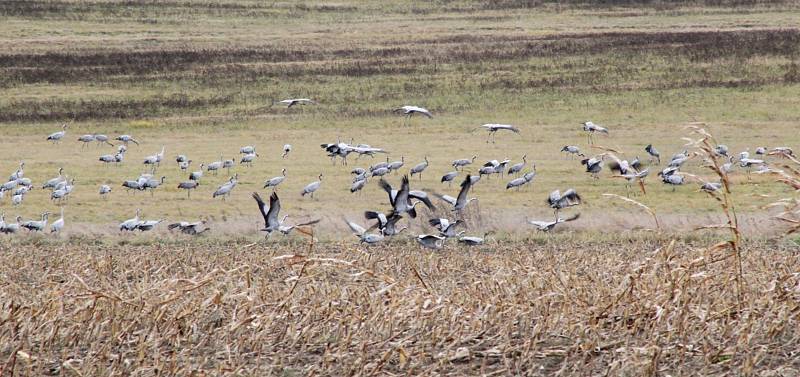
{"type": "Point", "coordinates": [225, 189]}
{"type": "Point", "coordinates": [56, 137]}
{"type": "Point", "coordinates": [188, 186]}
{"type": "Point", "coordinates": [419, 168]}
{"type": "Point", "coordinates": [275, 181]}
{"type": "Point", "coordinates": [312, 187]}
{"type": "Point", "coordinates": [461, 163]}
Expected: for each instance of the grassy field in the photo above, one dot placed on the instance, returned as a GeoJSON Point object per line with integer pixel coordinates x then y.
{"type": "Point", "coordinates": [606, 294]}
{"type": "Point", "coordinates": [199, 78]}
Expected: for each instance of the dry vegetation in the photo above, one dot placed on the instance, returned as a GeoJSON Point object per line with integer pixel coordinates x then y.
{"type": "Point", "coordinates": [592, 299]}
{"type": "Point", "coordinates": [648, 307]}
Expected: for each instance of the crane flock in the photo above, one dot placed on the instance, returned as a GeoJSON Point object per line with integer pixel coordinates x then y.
{"type": "Point", "coordinates": [404, 201]}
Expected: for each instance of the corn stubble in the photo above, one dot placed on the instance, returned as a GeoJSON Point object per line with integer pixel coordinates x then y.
{"type": "Point", "coordinates": [569, 306]}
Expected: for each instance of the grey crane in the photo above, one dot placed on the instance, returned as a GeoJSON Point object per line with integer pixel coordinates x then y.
{"type": "Point", "coordinates": [132, 185]}
{"type": "Point", "coordinates": [58, 225]}
{"type": "Point", "coordinates": [337, 149]}
{"type": "Point", "coordinates": [190, 228]}
{"type": "Point", "coordinates": [111, 158]}
{"type": "Point", "coordinates": [184, 165]}
{"type": "Point", "coordinates": [296, 101]}
{"type": "Point", "coordinates": [312, 187]}
{"type": "Point", "coordinates": [228, 164]}
{"type": "Point", "coordinates": [419, 168]}
{"type": "Point", "coordinates": [572, 151]}
{"type": "Point", "coordinates": [673, 179]}
{"type": "Point", "coordinates": [56, 137]}
{"type": "Point", "coordinates": [781, 152]}
{"type": "Point", "coordinates": [517, 168]}
{"type": "Point", "coordinates": [721, 150]}
{"type": "Point", "coordinates": [461, 201]}
{"type": "Point", "coordinates": [358, 185]}
{"type": "Point", "coordinates": [188, 186]}
{"type": "Point", "coordinates": [634, 176]}
{"type": "Point", "coordinates": [431, 241]}
{"type": "Point", "coordinates": [215, 166]}
{"type": "Point", "coordinates": [10, 185]}
{"type": "Point", "coordinates": [446, 227]}
{"type": "Point", "coordinates": [248, 149]}
{"type": "Point", "coordinates": [488, 169]}
{"type": "Point", "coordinates": [748, 163]}
{"type": "Point", "coordinates": [125, 139]}
{"type": "Point", "coordinates": [473, 240]}
{"type": "Point", "coordinates": [286, 149]}
{"type": "Point", "coordinates": [558, 201]}
{"type": "Point", "coordinates": [711, 187]}
{"type": "Point", "coordinates": [461, 163]}
{"type": "Point", "coordinates": [275, 181]}
{"type": "Point", "coordinates": [287, 229]}
{"type": "Point", "coordinates": [51, 183]}
{"type": "Point", "coordinates": [269, 213]}
{"type": "Point", "coordinates": [152, 184]}
{"type": "Point", "coordinates": [148, 225]}
{"type": "Point", "coordinates": [86, 139]}
{"type": "Point", "coordinates": [196, 175]}
{"type": "Point", "coordinates": [181, 158]}
{"type": "Point", "coordinates": [521, 181]}
{"type": "Point", "coordinates": [546, 226]}
{"type": "Point", "coordinates": [401, 200]}
{"type": "Point", "coordinates": [387, 224]}
{"type": "Point", "coordinates": [131, 224]}
{"type": "Point", "coordinates": [591, 129]}
{"type": "Point", "coordinates": [636, 163]}
{"type": "Point", "coordinates": [17, 199]}
{"type": "Point", "coordinates": [156, 158]}
{"type": "Point", "coordinates": [248, 159]}
{"type": "Point", "coordinates": [363, 235]}
{"type": "Point", "coordinates": [22, 190]}
{"type": "Point", "coordinates": [19, 173]}
{"type": "Point", "coordinates": [11, 228]}
{"type": "Point", "coordinates": [593, 166]}
{"type": "Point", "coordinates": [102, 139]}
{"type": "Point", "coordinates": [366, 150]}
{"type": "Point", "coordinates": [105, 190]}
{"type": "Point", "coordinates": [408, 111]}
{"type": "Point", "coordinates": [37, 226]}
{"type": "Point", "coordinates": [396, 165]}
{"type": "Point", "coordinates": [494, 127]}
{"type": "Point", "coordinates": [380, 172]}
{"type": "Point", "coordinates": [761, 151]}
{"type": "Point", "coordinates": [26, 182]}
{"type": "Point", "coordinates": [225, 189]}
{"type": "Point", "coordinates": [728, 166]}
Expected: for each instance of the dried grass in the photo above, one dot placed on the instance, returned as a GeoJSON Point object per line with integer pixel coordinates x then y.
{"type": "Point", "coordinates": [512, 309]}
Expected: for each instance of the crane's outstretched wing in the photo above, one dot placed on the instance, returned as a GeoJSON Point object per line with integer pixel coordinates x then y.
{"type": "Point", "coordinates": [274, 209]}
{"type": "Point", "coordinates": [446, 198]}
{"type": "Point", "coordinates": [388, 188]}
{"type": "Point", "coordinates": [423, 197]}
{"type": "Point", "coordinates": [357, 229]}
{"type": "Point", "coordinates": [465, 186]}
{"type": "Point", "coordinates": [262, 207]}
